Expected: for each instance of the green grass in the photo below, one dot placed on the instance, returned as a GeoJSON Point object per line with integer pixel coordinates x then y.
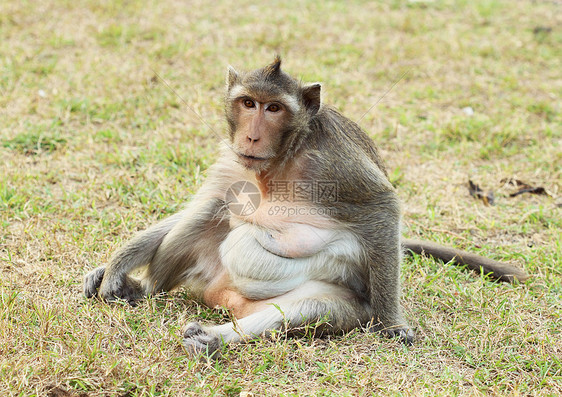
{"type": "Point", "coordinates": [94, 147]}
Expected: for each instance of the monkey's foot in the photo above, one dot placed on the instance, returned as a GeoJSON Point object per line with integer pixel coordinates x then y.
{"type": "Point", "coordinates": [198, 341]}
{"type": "Point", "coordinates": [404, 333]}
{"type": "Point", "coordinates": [125, 288]}
{"type": "Point", "coordinates": [92, 282]}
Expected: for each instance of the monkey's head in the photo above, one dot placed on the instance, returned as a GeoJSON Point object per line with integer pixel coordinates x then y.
{"type": "Point", "coordinates": [268, 114]}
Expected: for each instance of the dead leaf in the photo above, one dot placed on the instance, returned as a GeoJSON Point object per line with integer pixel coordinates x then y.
{"type": "Point", "coordinates": [523, 187]}
{"type": "Point", "coordinates": [476, 191]}
{"type": "Point", "coordinates": [534, 190]}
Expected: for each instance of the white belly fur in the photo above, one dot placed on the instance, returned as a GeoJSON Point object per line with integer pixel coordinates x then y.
{"type": "Point", "coordinates": [259, 274]}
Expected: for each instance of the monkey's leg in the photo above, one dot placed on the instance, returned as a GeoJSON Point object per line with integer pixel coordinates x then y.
{"type": "Point", "coordinates": [384, 256]}
{"type": "Point", "coordinates": [312, 302]}
{"type": "Point", "coordinates": [386, 315]}
{"type": "Point", "coordinates": [137, 252]}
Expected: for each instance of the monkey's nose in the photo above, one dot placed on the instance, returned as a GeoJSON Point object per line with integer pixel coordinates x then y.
{"type": "Point", "coordinates": [252, 140]}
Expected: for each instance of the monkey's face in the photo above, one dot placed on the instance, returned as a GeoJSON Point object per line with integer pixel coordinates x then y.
{"type": "Point", "coordinates": [259, 125]}
{"type": "Point", "coordinates": [268, 113]}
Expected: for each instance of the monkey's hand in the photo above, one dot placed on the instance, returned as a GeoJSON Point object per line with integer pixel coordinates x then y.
{"type": "Point", "coordinates": [199, 341]}
{"type": "Point", "coordinates": [120, 287]}
{"type": "Point", "coordinates": [92, 282]}
{"type": "Point", "coordinates": [97, 284]}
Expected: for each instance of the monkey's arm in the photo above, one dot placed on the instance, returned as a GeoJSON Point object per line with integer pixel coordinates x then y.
{"type": "Point", "coordinates": [137, 252]}
{"type": "Point", "coordinates": [175, 236]}
{"type": "Point", "coordinates": [498, 270]}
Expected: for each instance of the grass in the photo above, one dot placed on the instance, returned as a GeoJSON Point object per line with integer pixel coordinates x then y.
{"type": "Point", "coordinates": [95, 146]}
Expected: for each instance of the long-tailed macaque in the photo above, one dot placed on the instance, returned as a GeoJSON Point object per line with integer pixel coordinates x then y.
{"type": "Point", "coordinates": [317, 237]}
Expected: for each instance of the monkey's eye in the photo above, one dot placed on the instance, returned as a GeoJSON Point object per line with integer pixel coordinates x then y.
{"type": "Point", "coordinates": [274, 108]}
{"type": "Point", "coordinates": [249, 103]}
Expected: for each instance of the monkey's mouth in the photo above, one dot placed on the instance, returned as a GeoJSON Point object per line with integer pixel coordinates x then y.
{"type": "Point", "coordinates": [255, 158]}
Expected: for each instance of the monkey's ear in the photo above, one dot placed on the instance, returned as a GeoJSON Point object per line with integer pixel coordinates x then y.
{"type": "Point", "coordinates": [231, 77]}
{"type": "Point", "coordinates": [311, 97]}
{"type": "Point", "coordinates": [275, 67]}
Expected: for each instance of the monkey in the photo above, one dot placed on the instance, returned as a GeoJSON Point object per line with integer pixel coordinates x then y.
{"type": "Point", "coordinates": [335, 259]}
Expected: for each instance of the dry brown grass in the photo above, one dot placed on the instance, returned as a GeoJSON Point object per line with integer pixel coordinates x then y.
{"type": "Point", "coordinates": [95, 147]}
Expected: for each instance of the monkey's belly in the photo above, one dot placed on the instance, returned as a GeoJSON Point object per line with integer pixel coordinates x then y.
{"type": "Point", "coordinates": [259, 273]}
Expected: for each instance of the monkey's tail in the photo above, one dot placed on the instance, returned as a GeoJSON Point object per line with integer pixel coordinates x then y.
{"type": "Point", "coordinates": [497, 270]}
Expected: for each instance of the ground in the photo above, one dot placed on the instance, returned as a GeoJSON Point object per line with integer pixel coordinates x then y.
{"type": "Point", "coordinates": [111, 112]}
